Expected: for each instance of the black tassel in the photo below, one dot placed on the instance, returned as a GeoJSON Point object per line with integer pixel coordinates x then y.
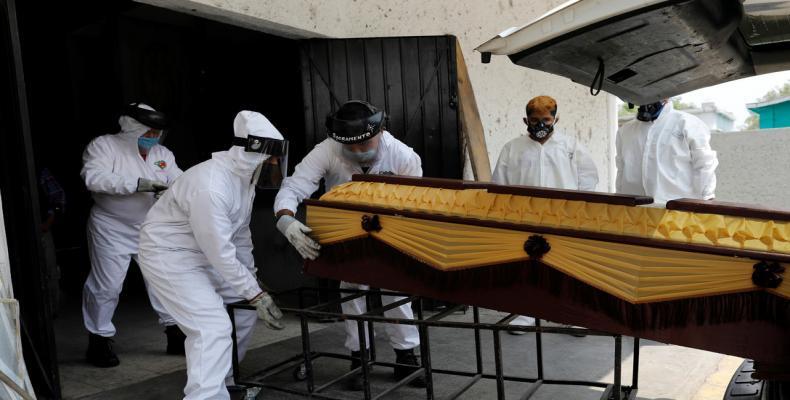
{"type": "Point", "coordinates": [717, 309]}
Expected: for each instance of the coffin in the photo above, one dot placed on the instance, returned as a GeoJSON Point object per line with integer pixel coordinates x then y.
{"type": "Point", "coordinates": [707, 275]}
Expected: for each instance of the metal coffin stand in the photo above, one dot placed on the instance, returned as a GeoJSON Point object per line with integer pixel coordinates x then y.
{"type": "Point", "coordinates": [302, 364]}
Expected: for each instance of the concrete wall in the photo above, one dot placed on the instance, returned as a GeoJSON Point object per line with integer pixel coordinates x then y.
{"type": "Point", "coordinates": [754, 167]}
{"type": "Point", "coordinates": [502, 89]}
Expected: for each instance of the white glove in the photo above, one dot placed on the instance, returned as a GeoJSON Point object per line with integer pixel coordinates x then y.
{"type": "Point", "coordinates": [148, 185]}
{"type": "Point", "coordinates": [296, 233]}
{"type": "Point", "coordinates": [268, 311]}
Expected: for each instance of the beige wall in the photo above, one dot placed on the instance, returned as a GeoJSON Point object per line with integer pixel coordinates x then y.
{"type": "Point", "coordinates": [502, 89]}
{"type": "Point", "coordinates": [754, 167]}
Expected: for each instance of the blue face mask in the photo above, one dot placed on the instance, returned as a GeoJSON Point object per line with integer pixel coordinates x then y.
{"type": "Point", "coordinates": [146, 143]}
{"type": "Point", "coordinates": [361, 157]}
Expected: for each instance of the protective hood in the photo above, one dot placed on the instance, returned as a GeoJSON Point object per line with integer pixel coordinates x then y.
{"type": "Point", "coordinates": [132, 128]}
{"type": "Point", "coordinates": [250, 123]}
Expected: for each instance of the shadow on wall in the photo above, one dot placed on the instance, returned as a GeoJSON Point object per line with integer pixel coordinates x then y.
{"type": "Point", "coordinates": [753, 167]}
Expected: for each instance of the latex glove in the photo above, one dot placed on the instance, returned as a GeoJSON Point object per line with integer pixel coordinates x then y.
{"type": "Point", "coordinates": [268, 311]}
{"type": "Point", "coordinates": [148, 185]}
{"type": "Point", "coordinates": [296, 233]}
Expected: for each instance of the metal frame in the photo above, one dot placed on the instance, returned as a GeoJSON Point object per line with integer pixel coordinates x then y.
{"type": "Point", "coordinates": [304, 361]}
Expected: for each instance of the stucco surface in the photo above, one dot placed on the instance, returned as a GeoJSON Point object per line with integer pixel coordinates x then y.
{"type": "Point", "coordinates": [754, 167]}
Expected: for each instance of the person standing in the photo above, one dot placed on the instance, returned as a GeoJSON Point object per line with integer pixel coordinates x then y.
{"type": "Point", "coordinates": [544, 158]}
{"type": "Point", "coordinates": [665, 153]}
{"type": "Point", "coordinates": [358, 144]}
{"type": "Point", "coordinates": [123, 172]}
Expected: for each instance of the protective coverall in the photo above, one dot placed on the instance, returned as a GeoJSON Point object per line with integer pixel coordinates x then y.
{"type": "Point", "coordinates": [112, 165]}
{"type": "Point", "coordinates": [669, 158]}
{"type": "Point", "coordinates": [560, 163]}
{"type": "Point", "coordinates": [196, 255]}
{"type": "Point", "coordinates": [327, 161]}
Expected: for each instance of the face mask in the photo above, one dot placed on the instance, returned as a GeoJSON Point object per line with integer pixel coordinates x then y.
{"type": "Point", "coordinates": [649, 112]}
{"type": "Point", "coordinates": [540, 130]}
{"type": "Point", "coordinates": [361, 157]}
{"type": "Point", "coordinates": [146, 142]}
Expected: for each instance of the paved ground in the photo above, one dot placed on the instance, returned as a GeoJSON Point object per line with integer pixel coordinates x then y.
{"type": "Point", "coordinates": [667, 372]}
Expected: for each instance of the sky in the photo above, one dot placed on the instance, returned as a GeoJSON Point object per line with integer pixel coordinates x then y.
{"type": "Point", "coordinates": [733, 96]}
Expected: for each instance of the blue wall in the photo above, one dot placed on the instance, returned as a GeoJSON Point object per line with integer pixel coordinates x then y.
{"type": "Point", "coordinates": [774, 116]}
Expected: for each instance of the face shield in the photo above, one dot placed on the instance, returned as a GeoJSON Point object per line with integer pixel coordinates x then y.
{"type": "Point", "coordinates": [270, 174]}
{"type": "Point", "coordinates": [155, 120]}
{"type": "Point", "coordinates": [355, 131]}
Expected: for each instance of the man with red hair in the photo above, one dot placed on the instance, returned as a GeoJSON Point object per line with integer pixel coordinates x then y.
{"type": "Point", "coordinates": [546, 158]}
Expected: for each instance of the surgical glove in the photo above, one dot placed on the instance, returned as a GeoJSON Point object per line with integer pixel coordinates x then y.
{"type": "Point", "coordinates": [148, 185]}
{"type": "Point", "coordinates": [296, 233]}
{"type": "Point", "coordinates": [268, 311]}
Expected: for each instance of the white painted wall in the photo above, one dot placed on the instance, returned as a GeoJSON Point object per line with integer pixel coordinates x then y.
{"type": "Point", "coordinates": [502, 89]}
{"type": "Point", "coordinates": [754, 167]}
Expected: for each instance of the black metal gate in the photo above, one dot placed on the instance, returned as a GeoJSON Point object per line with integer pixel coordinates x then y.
{"type": "Point", "coordinates": [412, 78]}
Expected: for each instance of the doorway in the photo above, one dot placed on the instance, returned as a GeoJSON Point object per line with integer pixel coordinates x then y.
{"type": "Point", "coordinates": [83, 61]}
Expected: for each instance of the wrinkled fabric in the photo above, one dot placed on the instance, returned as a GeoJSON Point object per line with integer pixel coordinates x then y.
{"type": "Point", "coordinates": [560, 163]}
{"type": "Point", "coordinates": [196, 255]}
{"type": "Point", "coordinates": [327, 161]}
{"type": "Point", "coordinates": [112, 164]}
{"type": "Point", "coordinates": [669, 158]}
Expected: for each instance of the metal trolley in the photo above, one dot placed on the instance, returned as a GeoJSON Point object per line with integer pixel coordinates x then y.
{"type": "Point", "coordinates": [302, 364]}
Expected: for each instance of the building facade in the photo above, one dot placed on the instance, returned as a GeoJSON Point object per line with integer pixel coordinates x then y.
{"type": "Point", "coordinates": [773, 114]}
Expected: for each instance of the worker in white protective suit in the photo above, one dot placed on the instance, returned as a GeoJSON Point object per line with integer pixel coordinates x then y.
{"type": "Point", "coordinates": [665, 153]}
{"type": "Point", "coordinates": [196, 252]}
{"type": "Point", "coordinates": [124, 173]}
{"type": "Point", "coordinates": [544, 158]}
{"type": "Point", "coordinates": [358, 144]}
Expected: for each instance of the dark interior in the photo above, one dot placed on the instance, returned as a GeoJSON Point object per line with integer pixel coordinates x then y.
{"type": "Point", "coordinates": [84, 62]}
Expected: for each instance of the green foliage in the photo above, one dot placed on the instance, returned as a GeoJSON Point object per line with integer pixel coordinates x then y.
{"type": "Point", "coordinates": [751, 123]}
{"type": "Point", "coordinates": [624, 110]}
{"type": "Point", "coordinates": [776, 93]}
{"type": "Point", "coordinates": [678, 104]}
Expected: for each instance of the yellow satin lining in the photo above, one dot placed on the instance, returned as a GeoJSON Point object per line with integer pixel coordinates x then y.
{"type": "Point", "coordinates": [633, 273]}
{"type": "Point", "coordinates": [646, 222]}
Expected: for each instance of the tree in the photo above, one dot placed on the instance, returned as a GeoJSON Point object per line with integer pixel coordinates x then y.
{"type": "Point", "coordinates": [751, 123]}
{"type": "Point", "coordinates": [776, 93]}
{"type": "Point", "coordinates": [678, 104]}
{"type": "Point", "coordinates": [624, 110]}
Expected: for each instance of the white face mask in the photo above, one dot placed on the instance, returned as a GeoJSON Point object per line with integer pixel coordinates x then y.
{"type": "Point", "coordinates": [361, 157]}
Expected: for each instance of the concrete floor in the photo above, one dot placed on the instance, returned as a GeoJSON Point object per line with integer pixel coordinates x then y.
{"type": "Point", "coordinates": [146, 372]}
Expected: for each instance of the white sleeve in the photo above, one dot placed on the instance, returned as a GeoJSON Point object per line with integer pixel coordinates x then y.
{"type": "Point", "coordinates": [243, 243]}
{"type": "Point", "coordinates": [586, 171]}
{"type": "Point", "coordinates": [174, 171]}
{"type": "Point", "coordinates": [619, 163]}
{"type": "Point", "coordinates": [413, 165]}
{"type": "Point", "coordinates": [97, 170]}
{"type": "Point", "coordinates": [208, 217]}
{"type": "Point", "coordinates": [500, 171]}
{"type": "Point", "coordinates": [703, 160]}
{"type": "Point", "coordinates": [304, 181]}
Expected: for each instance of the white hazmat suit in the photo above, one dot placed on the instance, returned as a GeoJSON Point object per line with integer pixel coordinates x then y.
{"type": "Point", "coordinates": [669, 158]}
{"type": "Point", "coordinates": [560, 163]}
{"type": "Point", "coordinates": [327, 161]}
{"type": "Point", "coordinates": [196, 255]}
{"type": "Point", "coordinates": [112, 165]}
